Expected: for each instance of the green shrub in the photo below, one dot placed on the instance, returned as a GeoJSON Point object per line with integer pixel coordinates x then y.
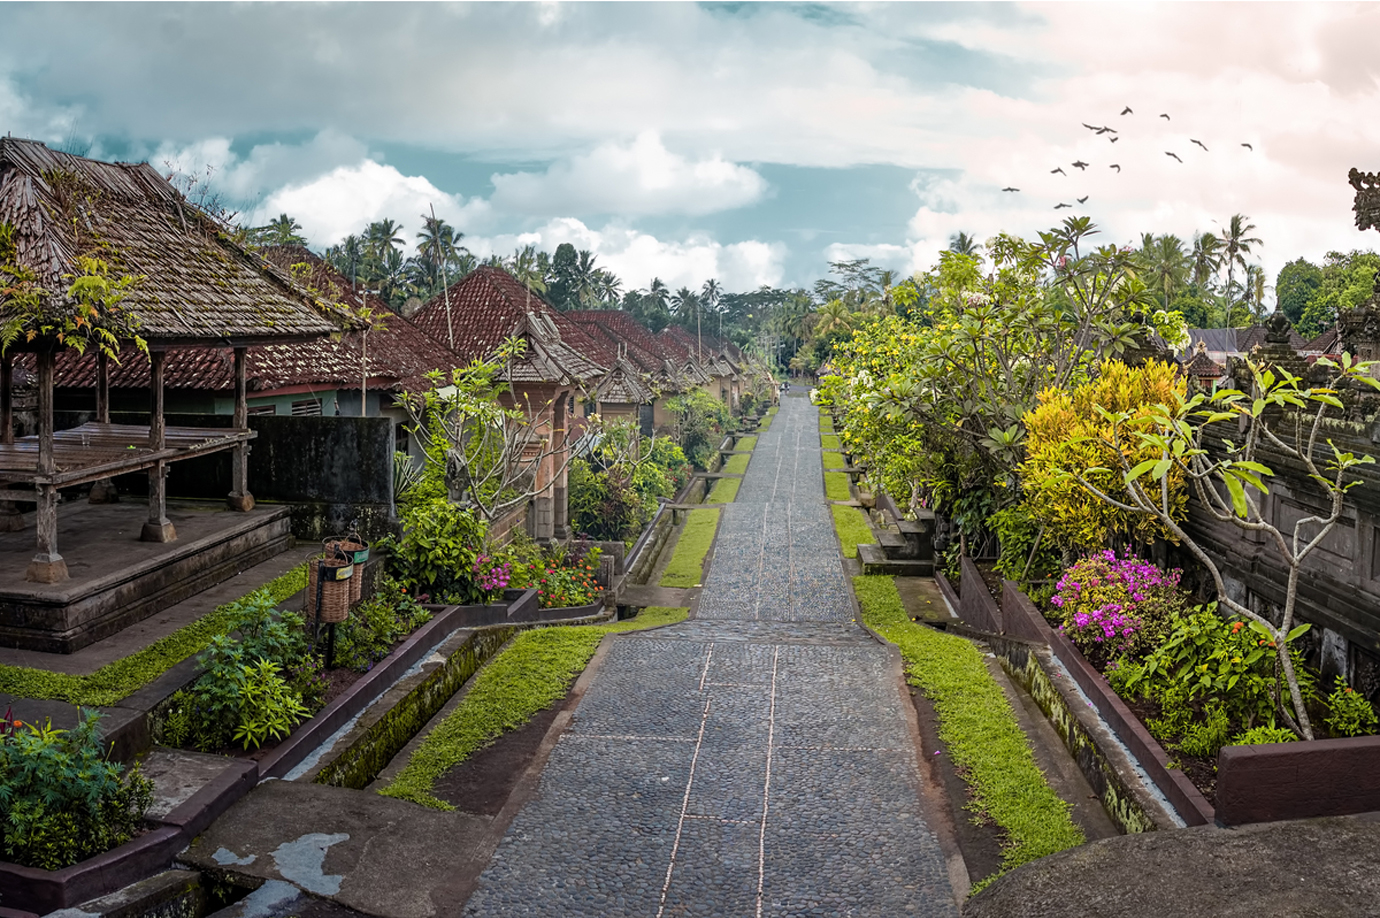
{"type": "Point", "coordinates": [1117, 607]}
{"type": "Point", "coordinates": [1205, 737]}
{"type": "Point", "coordinates": [61, 800]}
{"type": "Point", "coordinates": [376, 624]}
{"type": "Point", "coordinates": [978, 728]}
{"type": "Point", "coordinates": [852, 529]}
{"type": "Point", "coordinates": [1260, 736]}
{"type": "Point", "coordinates": [436, 553]}
{"type": "Point", "coordinates": [1348, 713]}
{"type": "Point", "coordinates": [268, 706]}
{"type": "Point", "coordinates": [687, 562]}
{"type": "Point", "coordinates": [569, 580]}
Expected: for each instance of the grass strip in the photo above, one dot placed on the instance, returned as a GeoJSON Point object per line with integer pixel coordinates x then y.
{"type": "Point", "coordinates": [746, 443]}
{"type": "Point", "coordinates": [736, 465]}
{"type": "Point", "coordinates": [121, 678]}
{"type": "Point", "coordinates": [833, 460]}
{"type": "Point", "coordinates": [852, 528]}
{"type": "Point", "coordinates": [978, 728]}
{"type": "Point", "coordinates": [725, 491]}
{"type": "Point", "coordinates": [830, 441]}
{"type": "Point", "coordinates": [772, 410]}
{"type": "Point", "coordinates": [826, 426]}
{"type": "Point", "coordinates": [836, 486]}
{"type": "Point", "coordinates": [764, 425]}
{"type": "Point", "coordinates": [530, 674]}
{"type": "Point", "coordinates": [687, 562]}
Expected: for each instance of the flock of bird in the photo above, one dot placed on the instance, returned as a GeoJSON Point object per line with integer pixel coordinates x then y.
{"type": "Point", "coordinates": [1100, 130]}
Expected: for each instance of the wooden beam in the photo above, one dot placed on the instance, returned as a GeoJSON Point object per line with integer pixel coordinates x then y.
{"type": "Point", "coordinates": [7, 398]}
{"type": "Point", "coordinates": [239, 497]}
{"type": "Point", "coordinates": [102, 387]}
{"type": "Point", "coordinates": [158, 528]}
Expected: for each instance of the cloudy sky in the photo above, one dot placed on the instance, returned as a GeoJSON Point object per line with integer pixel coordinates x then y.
{"type": "Point", "coordinates": [752, 143]}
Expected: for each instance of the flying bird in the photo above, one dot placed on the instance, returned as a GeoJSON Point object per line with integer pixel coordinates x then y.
{"type": "Point", "coordinates": [1091, 127]}
{"type": "Point", "coordinates": [1164, 116]}
{"type": "Point", "coordinates": [1059, 169]}
{"type": "Point", "coordinates": [1248, 147]}
{"type": "Point", "coordinates": [1175, 155]}
{"type": "Point", "coordinates": [1106, 130]}
{"type": "Point", "coordinates": [1114, 139]}
{"type": "Point", "coordinates": [1057, 206]}
{"type": "Point", "coordinates": [1079, 164]}
{"type": "Point", "coordinates": [1199, 143]}
{"type": "Point", "coordinates": [1127, 111]}
{"type": "Point", "coordinates": [1011, 189]}
{"type": "Point", "coordinates": [1084, 199]}
{"type": "Point", "coordinates": [1115, 166]}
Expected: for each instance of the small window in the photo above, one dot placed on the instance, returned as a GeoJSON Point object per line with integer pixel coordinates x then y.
{"type": "Point", "coordinates": [311, 408]}
{"type": "Point", "coordinates": [263, 409]}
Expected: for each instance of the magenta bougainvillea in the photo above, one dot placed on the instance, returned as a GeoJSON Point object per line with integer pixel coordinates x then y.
{"type": "Point", "coordinates": [1115, 607]}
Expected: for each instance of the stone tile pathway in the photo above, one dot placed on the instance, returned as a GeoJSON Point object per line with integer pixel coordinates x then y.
{"type": "Point", "coordinates": [755, 761]}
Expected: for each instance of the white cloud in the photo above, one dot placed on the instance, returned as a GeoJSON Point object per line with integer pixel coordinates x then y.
{"type": "Point", "coordinates": [343, 200]}
{"type": "Point", "coordinates": [637, 257]}
{"type": "Point", "coordinates": [636, 179]}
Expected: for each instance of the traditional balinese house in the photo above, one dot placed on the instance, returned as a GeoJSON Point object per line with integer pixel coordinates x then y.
{"type": "Point", "coordinates": [1203, 369]}
{"type": "Point", "coordinates": [1223, 343]}
{"type": "Point", "coordinates": [478, 313]}
{"type": "Point", "coordinates": [322, 377]}
{"type": "Point", "coordinates": [69, 224]}
{"type": "Point", "coordinates": [618, 332]}
{"type": "Point", "coordinates": [697, 361]}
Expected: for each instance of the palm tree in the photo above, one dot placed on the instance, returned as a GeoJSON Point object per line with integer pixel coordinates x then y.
{"type": "Point", "coordinates": [281, 231]}
{"type": "Point", "coordinates": [1206, 259]}
{"type": "Point", "coordinates": [1235, 246]}
{"type": "Point", "coordinates": [525, 266]}
{"type": "Point", "coordinates": [1168, 266]}
{"type": "Point", "coordinates": [607, 287]}
{"type": "Point", "coordinates": [382, 236]}
{"type": "Point", "coordinates": [710, 294]}
{"type": "Point", "coordinates": [1254, 282]}
{"type": "Point", "coordinates": [437, 252]}
{"type": "Point", "coordinates": [832, 317]}
{"type": "Point", "coordinates": [584, 280]}
{"type": "Point", "coordinates": [963, 244]}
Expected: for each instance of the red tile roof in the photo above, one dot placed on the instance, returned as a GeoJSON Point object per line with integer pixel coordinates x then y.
{"type": "Point", "coordinates": [479, 311]}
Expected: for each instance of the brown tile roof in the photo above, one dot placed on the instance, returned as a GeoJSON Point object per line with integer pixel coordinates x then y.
{"type": "Point", "coordinates": [198, 287]}
{"type": "Point", "coordinates": [488, 306]}
{"type": "Point", "coordinates": [615, 327]}
{"type": "Point", "coordinates": [1204, 366]}
{"type": "Point", "coordinates": [1326, 343]}
{"type": "Point", "coordinates": [1248, 338]}
{"type": "Point", "coordinates": [623, 385]}
{"type": "Point", "coordinates": [400, 355]}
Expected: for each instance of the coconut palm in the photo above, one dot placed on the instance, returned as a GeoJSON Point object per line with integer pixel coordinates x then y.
{"type": "Point", "coordinates": [437, 252]}
{"type": "Point", "coordinates": [1168, 266]}
{"type": "Point", "coordinates": [832, 317]}
{"type": "Point", "coordinates": [963, 244]}
{"type": "Point", "coordinates": [1206, 259]}
{"type": "Point", "coordinates": [526, 267]}
{"type": "Point", "coordinates": [1235, 246]}
{"type": "Point", "coordinates": [381, 237]}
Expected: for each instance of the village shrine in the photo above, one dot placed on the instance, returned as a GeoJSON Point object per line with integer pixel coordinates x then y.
{"type": "Point", "coordinates": [107, 262]}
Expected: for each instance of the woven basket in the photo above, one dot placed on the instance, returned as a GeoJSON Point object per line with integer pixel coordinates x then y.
{"type": "Point", "coordinates": [334, 573]}
{"type": "Point", "coordinates": [356, 549]}
{"type": "Point", "coordinates": [352, 546]}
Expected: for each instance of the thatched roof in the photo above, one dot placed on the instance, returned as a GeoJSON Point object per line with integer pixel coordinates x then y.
{"type": "Point", "coordinates": [199, 286]}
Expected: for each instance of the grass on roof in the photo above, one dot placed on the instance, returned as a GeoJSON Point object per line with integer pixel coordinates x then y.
{"type": "Point", "coordinates": [736, 465]}
{"type": "Point", "coordinates": [533, 672]}
{"type": "Point", "coordinates": [834, 461]}
{"type": "Point", "coordinates": [851, 525]}
{"type": "Point", "coordinates": [123, 677]}
{"type": "Point", "coordinates": [687, 561]}
{"type": "Point", "coordinates": [978, 729]}
{"type": "Point", "coordinates": [725, 491]}
{"type": "Point", "coordinates": [836, 486]}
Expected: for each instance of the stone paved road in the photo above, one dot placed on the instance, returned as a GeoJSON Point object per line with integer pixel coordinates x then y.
{"type": "Point", "coordinates": [755, 761]}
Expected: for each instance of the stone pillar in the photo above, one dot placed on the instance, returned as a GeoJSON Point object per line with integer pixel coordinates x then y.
{"type": "Point", "coordinates": [11, 520]}
{"type": "Point", "coordinates": [239, 498]}
{"type": "Point", "coordinates": [158, 528]}
{"type": "Point", "coordinates": [47, 566]}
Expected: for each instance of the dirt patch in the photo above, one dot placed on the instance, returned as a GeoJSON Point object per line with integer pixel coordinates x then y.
{"type": "Point", "coordinates": [979, 839]}
{"type": "Point", "coordinates": [481, 784]}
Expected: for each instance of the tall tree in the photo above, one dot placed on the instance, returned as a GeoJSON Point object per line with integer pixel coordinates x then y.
{"type": "Point", "coordinates": [1168, 265]}
{"type": "Point", "coordinates": [963, 244]}
{"type": "Point", "coordinates": [1236, 245]}
{"type": "Point", "coordinates": [1298, 282]}
{"type": "Point", "coordinates": [282, 230]}
{"type": "Point", "coordinates": [1206, 260]}
{"type": "Point", "coordinates": [438, 253]}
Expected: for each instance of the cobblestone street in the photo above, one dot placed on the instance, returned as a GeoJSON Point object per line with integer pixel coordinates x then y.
{"type": "Point", "coordinates": [753, 761]}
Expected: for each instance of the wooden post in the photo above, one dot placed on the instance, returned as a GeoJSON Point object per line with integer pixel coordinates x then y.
{"type": "Point", "coordinates": [158, 528]}
{"type": "Point", "coordinates": [103, 489]}
{"type": "Point", "coordinates": [239, 498]}
{"type": "Point", "coordinates": [11, 520]}
{"type": "Point", "coordinates": [47, 565]}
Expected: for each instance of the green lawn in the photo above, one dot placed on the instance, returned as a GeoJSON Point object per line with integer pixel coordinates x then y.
{"type": "Point", "coordinates": [836, 486]}
{"type": "Point", "coordinates": [531, 673]}
{"type": "Point", "coordinates": [852, 528]}
{"type": "Point", "coordinates": [764, 425]}
{"type": "Point", "coordinates": [687, 563]}
{"type": "Point", "coordinates": [826, 426]}
{"type": "Point", "coordinates": [834, 461]}
{"type": "Point", "coordinates": [978, 728]}
{"type": "Point", "coordinates": [746, 443]}
{"type": "Point", "coordinates": [736, 465]}
{"type": "Point", "coordinates": [830, 441]}
{"type": "Point", "coordinates": [725, 491]}
{"type": "Point", "coordinates": [115, 681]}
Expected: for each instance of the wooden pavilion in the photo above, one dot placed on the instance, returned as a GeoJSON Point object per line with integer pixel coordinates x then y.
{"type": "Point", "coordinates": [195, 288]}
